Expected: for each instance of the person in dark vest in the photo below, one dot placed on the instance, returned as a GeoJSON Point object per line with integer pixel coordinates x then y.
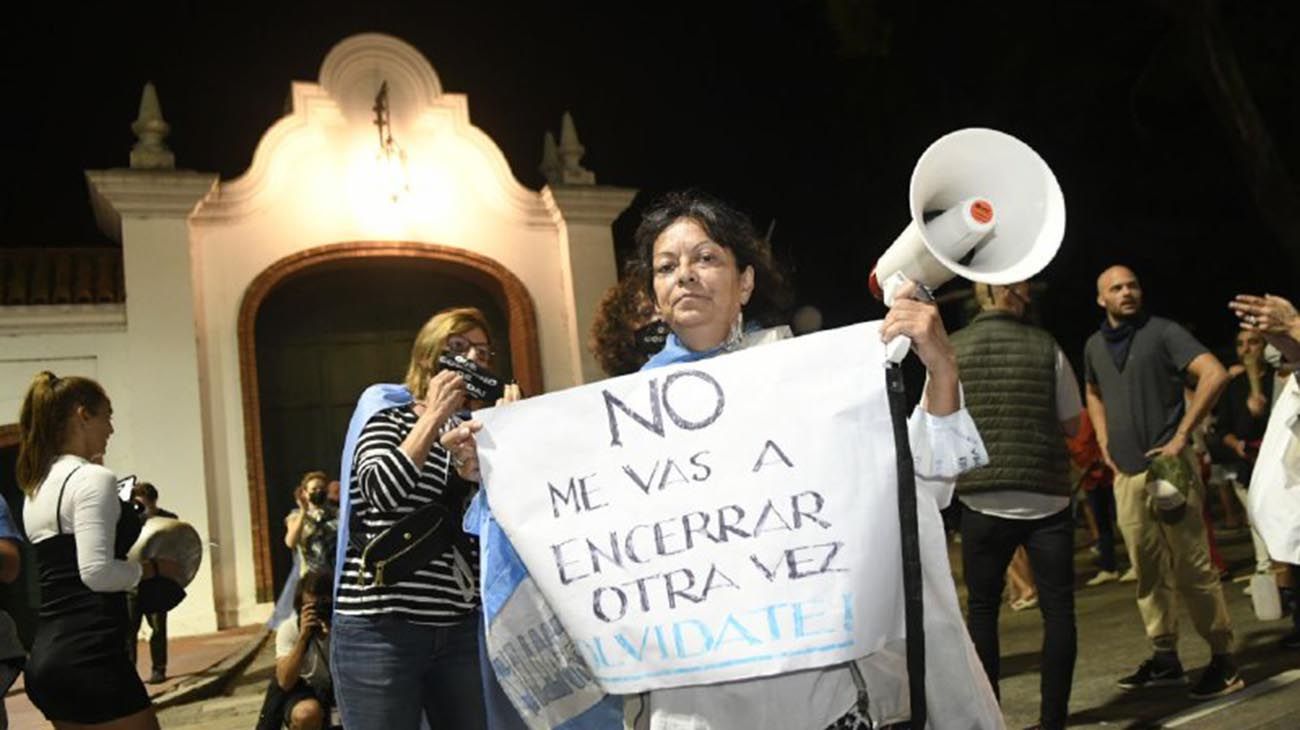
{"type": "Point", "coordinates": [1136, 368]}
{"type": "Point", "coordinates": [1024, 398]}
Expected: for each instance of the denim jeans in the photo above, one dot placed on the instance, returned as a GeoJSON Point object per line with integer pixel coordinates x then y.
{"type": "Point", "coordinates": [388, 672]}
{"type": "Point", "coordinates": [1102, 501]}
{"type": "Point", "coordinates": [987, 544]}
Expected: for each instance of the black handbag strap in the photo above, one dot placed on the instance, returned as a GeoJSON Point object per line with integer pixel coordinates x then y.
{"type": "Point", "coordinates": [458, 488]}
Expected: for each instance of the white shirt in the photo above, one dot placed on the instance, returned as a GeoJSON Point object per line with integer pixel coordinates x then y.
{"type": "Point", "coordinates": [89, 511]}
{"type": "Point", "coordinates": [1020, 505]}
{"type": "Point", "coordinates": [1273, 499]}
{"type": "Point", "coordinates": [315, 668]}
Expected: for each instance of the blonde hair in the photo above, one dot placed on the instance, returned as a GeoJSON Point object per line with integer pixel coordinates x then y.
{"type": "Point", "coordinates": [312, 476]}
{"type": "Point", "coordinates": [43, 420]}
{"type": "Point", "coordinates": [432, 340]}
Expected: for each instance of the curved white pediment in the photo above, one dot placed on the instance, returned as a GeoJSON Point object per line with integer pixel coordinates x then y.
{"type": "Point", "coordinates": [320, 159]}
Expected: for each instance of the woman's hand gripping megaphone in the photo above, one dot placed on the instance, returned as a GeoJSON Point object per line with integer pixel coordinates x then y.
{"type": "Point", "coordinates": [895, 289]}
{"type": "Point", "coordinates": [913, 322]}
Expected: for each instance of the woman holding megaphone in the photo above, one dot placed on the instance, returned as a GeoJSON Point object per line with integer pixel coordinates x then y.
{"type": "Point", "coordinates": [714, 283]}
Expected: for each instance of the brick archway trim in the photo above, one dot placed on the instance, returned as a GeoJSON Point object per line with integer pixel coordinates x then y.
{"type": "Point", "coordinates": [8, 435]}
{"type": "Point", "coordinates": [491, 276]}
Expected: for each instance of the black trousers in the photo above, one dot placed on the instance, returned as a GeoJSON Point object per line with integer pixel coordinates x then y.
{"type": "Point", "coordinates": [987, 545]}
{"type": "Point", "coordinates": [1102, 500]}
{"type": "Point", "coordinates": [157, 638]}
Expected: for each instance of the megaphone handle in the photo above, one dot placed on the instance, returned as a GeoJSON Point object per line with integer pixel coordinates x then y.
{"type": "Point", "coordinates": [896, 349]}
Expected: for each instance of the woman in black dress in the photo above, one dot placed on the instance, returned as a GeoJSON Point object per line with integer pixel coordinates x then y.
{"type": "Point", "coordinates": [79, 674]}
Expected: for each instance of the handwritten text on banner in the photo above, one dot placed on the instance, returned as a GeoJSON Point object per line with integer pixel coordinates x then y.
{"type": "Point", "coordinates": [710, 521]}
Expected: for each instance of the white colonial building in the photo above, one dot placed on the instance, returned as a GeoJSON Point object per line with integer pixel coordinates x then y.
{"type": "Point", "coordinates": [243, 317]}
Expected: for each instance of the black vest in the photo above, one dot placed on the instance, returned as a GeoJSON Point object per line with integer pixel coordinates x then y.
{"type": "Point", "coordinates": [1008, 373]}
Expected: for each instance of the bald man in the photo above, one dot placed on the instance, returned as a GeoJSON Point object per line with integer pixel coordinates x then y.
{"type": "Point", "coordinates": [1136, 368]}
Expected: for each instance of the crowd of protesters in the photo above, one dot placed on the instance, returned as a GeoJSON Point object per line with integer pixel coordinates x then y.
{"type": "Point", "coordinates": [386, 631]}
{"type": "Point", "coordinates": [1161, 427]}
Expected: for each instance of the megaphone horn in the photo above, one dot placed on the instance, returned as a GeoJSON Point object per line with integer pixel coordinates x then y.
{"type": "Point", "coordinates": [1000, 218]}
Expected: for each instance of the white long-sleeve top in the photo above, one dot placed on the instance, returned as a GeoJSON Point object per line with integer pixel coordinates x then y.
{"type": "Point", "coordinates": [89, 511]}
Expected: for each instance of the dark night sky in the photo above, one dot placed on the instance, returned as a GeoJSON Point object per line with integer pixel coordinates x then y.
{"type": "Point", "coordinates": [810, 113]}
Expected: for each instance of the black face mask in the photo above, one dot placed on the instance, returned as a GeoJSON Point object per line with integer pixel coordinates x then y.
{"type": "Point", "coordinates": [650, 338]}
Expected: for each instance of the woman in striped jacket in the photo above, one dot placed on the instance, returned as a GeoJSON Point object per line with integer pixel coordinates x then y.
{"type": "Point", "coordinates": [409, 647]}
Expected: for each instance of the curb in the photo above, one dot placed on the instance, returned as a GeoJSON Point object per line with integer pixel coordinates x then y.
{"type": "Point", "coordinates": [212, 680]}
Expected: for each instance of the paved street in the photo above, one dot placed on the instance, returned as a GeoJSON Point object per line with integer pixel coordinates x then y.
{"type": "Point", "coordinates": [236, 709]}
{"type": "Point", "coordinates": [1111, 644]}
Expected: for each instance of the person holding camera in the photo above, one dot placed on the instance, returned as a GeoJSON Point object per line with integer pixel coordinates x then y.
{"type": "Point", "coordinates": [302, 667]}
{"type": "Point", "coordinates": [310, 530]}
{"type": "Point", "coordinates": [407, 621]}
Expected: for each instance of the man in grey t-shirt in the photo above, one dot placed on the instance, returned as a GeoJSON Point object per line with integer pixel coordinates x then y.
{"type": "Point", "coordinates": [1137, 369]}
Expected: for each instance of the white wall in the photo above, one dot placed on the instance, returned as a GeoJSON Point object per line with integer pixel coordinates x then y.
{"type": "Point", "coordinates": [169, 357]}
{"type": "Point", "coordinates": [315, 181]}
{"type": "Point", "coordinates": [155, 449]}
{"type": "Point", "coordinates": [98, 355]}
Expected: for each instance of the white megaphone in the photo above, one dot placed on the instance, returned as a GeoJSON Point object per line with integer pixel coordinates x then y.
{"type": "Point", "coordinates": [984, 206]}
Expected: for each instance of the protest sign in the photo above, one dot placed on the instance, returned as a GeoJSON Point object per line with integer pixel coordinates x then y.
{"type": "Point", "coordinates": [709, 521]}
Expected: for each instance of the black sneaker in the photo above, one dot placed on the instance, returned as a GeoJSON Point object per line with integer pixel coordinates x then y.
{"type": "Point", "coordinates": [1154, 673]}
{"type": "Point", "coordinates": [158, 676]}
{"type": "Point", "coordinates": [1219, 678]}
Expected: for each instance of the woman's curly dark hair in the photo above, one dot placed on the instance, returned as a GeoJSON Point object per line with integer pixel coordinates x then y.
{"type": "Point", "coordinates": [613, 333]}
{"type": "Point", "coordinates": [730, 228]}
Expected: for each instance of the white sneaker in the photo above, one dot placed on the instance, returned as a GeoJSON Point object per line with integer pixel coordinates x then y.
{"type": "Point", "coordinates": [1130, 576]}
{"type": "Point", "coordinates": [1103, 577]}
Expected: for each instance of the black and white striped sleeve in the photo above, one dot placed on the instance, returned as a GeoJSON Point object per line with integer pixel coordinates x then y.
{"type": "Point", "coordinates": [384, 472]}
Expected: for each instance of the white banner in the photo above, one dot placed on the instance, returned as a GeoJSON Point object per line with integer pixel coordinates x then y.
{"type": "Point", "coordinates": [710, 521]}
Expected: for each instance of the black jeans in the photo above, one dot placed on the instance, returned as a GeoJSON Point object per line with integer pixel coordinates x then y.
{"type": "Point", "coordinates": [1102, 501]}
{"type": "Point", "coordinates": [987, 544]}
{"type": "Point", "coordinates": [157, 637]}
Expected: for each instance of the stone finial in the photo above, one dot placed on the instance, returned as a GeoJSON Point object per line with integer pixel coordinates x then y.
{"type": "Point", "coordinates": [571, 151]}
{"type": "Point", "coordinates": [550, 167]}
{"type": "Point", "coordinates": [150, 152]}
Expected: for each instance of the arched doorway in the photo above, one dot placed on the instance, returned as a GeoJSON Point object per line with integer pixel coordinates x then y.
{"type": "Point", "coordinates": [318, 327]}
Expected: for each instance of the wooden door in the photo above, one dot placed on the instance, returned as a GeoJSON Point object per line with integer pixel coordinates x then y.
{"type": "Point", "coordinates": [321, 338]}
